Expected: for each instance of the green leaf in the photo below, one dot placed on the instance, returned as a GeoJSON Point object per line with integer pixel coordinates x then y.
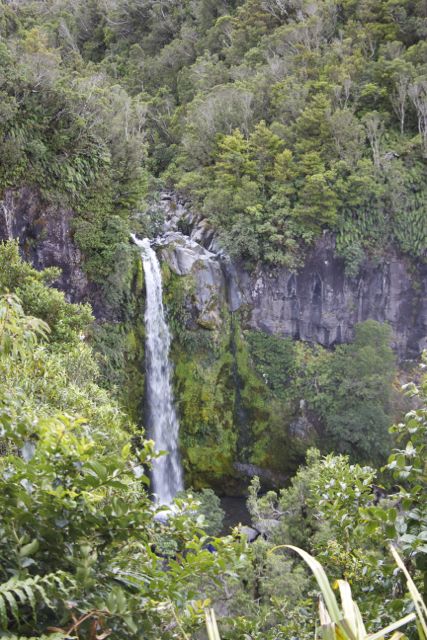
{"type": "Point", "coordinates": [10, 598]}
{"type": "Point", "coordinates": [3, 613]}
{"type": "Point", "coordinates": [392, 627]}
{"type": "Point", "coordinates": [29, 549]}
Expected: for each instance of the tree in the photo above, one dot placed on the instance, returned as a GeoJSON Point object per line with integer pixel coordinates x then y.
{"type": "Point", "coordinates": [405, 521]}
{"type": "Point", "coordinates": [264, 147]}
{"type": "Point", "coordinates": [233, 160]}
{"type": "Point", "coordinates": [418, 95]}
{"type": "Point", "coordinates": [348, 136]}
{"type": "Point", "coordinates": [374, 131]}
{"type": "Point", "coordinates": [208, 506]}
{"type": "Point", "coordinates": [362, 374]}
{"type": "Point", "coordinates": [67, 322]}
{"type": "Point", "coordinates": [317, 206]}
{"type": "Point", "coordinates": [399, 98]}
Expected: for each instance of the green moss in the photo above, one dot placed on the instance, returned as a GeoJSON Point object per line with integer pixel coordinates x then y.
{"type": "Point", "coordinates": [205, 402]}
{"type": "Point", "coordinates": [266, 441]}
{"type": "Point", "coordinates": [139, 276]}
{"type": "Point", "coordinates": [274, 360]}
{"type": "Point", "coordinates": [121, 345]}
{"type": "Point", "coordinates": [228, 412]}
{"type": "Point", "coordinates": [233, 388]}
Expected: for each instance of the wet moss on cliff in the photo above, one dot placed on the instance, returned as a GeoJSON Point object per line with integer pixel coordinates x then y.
{"type": "Point", "coordinates": [203, 387]}
{"type": "Point", "coordinates": [268, 402]}
{"type": "Point", "coordinates": [230, 419]}
{"type": "Point", "coordinates": [121, 345]}
{"type": "Point", "coordinates": [248, 402]}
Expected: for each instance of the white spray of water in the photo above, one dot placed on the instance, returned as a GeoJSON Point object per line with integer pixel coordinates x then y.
{"type": "Point", "coordinates": [8, 220]}
{"type": "Point", "coordinates": [163, 423]}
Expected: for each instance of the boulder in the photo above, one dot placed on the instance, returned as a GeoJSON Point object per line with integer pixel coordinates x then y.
{"type": "Point", "coordinates": [185, 257]}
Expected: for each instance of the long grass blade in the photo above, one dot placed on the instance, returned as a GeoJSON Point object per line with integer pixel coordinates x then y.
{"type": "Point", "coordinates": [328, 631]}
{"type": "Point", "coordinates": [417, 599]}
{"type": "Point", "coordinates": [324, 616]}
{"type": "Point", "coordinates": [322, 580]}
{"type": "Point", "coordinates": [347, 604]}
{"type": "Point", "coordinates": [392, 627]}
{"type": "Point", "coordinates": [211, 625]}
{"type": "Point", "coordinates": [351, 610]}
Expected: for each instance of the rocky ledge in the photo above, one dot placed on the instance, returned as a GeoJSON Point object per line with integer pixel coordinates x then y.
{"type": "Point", "coordinates": [45, 235]}
{"type": "Point", "coordinates": [319, 303]}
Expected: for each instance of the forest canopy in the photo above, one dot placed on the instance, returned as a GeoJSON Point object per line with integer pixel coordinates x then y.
{"type": "Point", "coordinates": [278, 118]}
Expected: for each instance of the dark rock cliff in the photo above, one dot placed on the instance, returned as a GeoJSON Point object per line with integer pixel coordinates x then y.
{"type": "Point", "coordinates": [321, 304]}
{"type": "Point", "coordinates": [318, 304]}
{"type": "Point", "coordinates": [45, 238]}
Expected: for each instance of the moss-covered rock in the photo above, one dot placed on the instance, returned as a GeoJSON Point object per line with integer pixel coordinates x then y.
{"type": "Point", "coordinates": [121, 345]}
{"type": "Point", "coordinates": [230, 417]}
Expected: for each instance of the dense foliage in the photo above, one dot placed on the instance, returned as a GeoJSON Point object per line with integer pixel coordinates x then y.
{"type": "Point", "coordinates": [81, 551]}
{"type": "Point", "coordinates": [85, 553]}
{"type": "Point", "coordinates": [335, 510]}
{"type": "Point", "coordinates": [80, 548]}
{"type": "Point", "coordinates": [70, 131]}
{"type": "Point", "coordinates": [280, 118]}
{"type": "Point", "coordinates": [248, 397]}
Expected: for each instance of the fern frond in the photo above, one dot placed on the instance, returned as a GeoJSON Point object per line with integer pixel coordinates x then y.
{"type": "Point", "coordinates": [18, 592]}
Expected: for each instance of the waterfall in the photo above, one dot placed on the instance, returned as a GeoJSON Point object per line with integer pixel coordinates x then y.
{"type": "Point", "coordinates": [7, 220]}
{"type": "Point", "coordinates": [163, 424]}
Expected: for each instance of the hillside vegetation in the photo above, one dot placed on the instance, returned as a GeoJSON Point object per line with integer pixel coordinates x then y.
{"type": "Point", "coordinates": [280, 118]}
{"type": "Point", "coordinates": [277, 120]}
{"type": "Point", "coordinates": [80, 551]}
{"type": "Point", "coordinates": [81, 554]}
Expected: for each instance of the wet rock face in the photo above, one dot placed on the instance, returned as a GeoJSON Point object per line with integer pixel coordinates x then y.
{"type": "Point", "coordinates": [318, 304]}
{"type": "Point", "coordinates": [44, 234]}
{"type": "Point", "coordinates": [185, 257]}
{"type": "Point", "coordinates": [321, 304]}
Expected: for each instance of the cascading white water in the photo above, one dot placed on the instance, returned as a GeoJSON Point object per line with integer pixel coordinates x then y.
{"type": "Point", "coordinates": [8, 221]}
{"type": "Point", "coordinates": [163, 423]}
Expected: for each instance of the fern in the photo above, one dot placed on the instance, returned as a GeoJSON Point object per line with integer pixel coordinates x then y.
{"type": "Point", "coordinates": [16, 593]}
